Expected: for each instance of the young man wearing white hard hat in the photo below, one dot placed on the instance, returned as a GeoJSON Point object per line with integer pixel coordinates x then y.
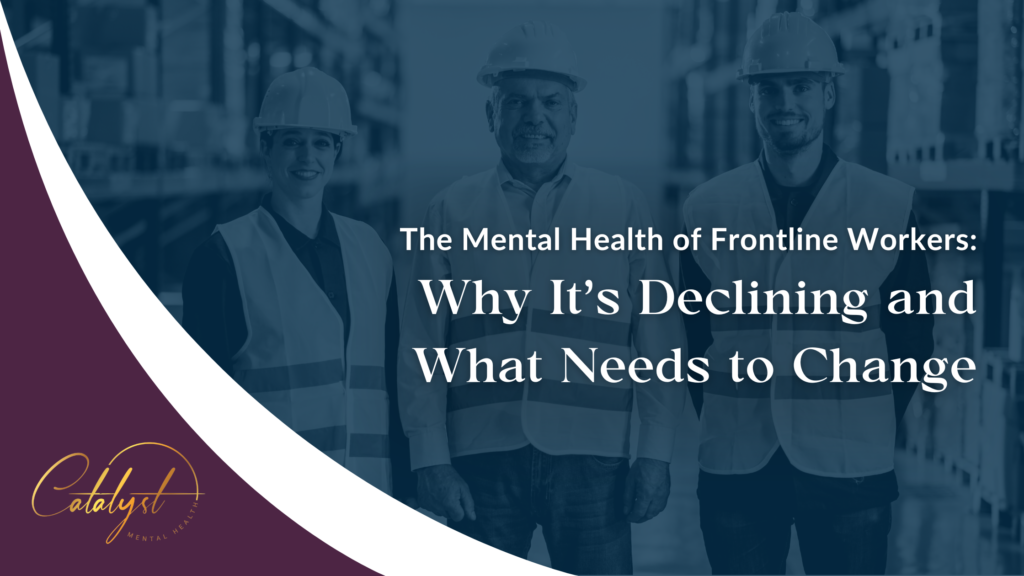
{"type": "Point", "coordinates": [817, 454]}
{"type": "Point", "coordinates": [298, 304]}
{"type": "Point", "coordinates": [499, 458]}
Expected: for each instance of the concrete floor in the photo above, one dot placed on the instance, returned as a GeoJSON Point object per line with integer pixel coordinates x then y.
{"type": "Point", "coordinates": [933, 532]}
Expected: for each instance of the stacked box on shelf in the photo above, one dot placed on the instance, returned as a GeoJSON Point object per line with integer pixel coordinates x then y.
{"type": "Point", "coordinates": [874, 118]}
{"type": "Point", "coordinates": [948, 274]}
{"type": "Point", "coordinates": [949, 418]}
{"type": "Point", "coordinates": [149, 133]}
{"type": "Point", "coordinates": [1015, 387]}
{"type": "Point", "coordinates": [998, 107]}
{"type": "Point", "coordinates": [746, 143]}
{"type": "Point", "coordinates": [678, 121]}
{"type": "Point", "coordinates": [98, 119]}
{"type": "Point", "coordinates": [692, 141]}
{"type": "Point", "coordinates": [915, 69]}
{"type": "Point", "coordinates": [104, 76]}
{"type": "Point", "coordinates": [43, 70]}
{"type": "Point", "coordinates": [959, 40]}
{"type": "Point", "coordinates": [860, 115]}
{"type": "Point", "coordinates": [826, 7]}
{"type": "Point", "coordinates": [715, 134]}
{"type": "Point", "coordinates": [195, 129]}
{"type": "Point", "coordinates": [847, 113]}
{"type": "Point", "coordinates": [109, 26]}
{"type": "Point", "coordinates": [973, 424]}
{"type": "Point", "coordinates": [111, 122]}
{"type": "Point", "coordinates": [729, 32]}
{"type": "Point", "coordinates": [686, 52]}
{"type": "Point", "coordinates": [916, 426]}
{"type": "Point", "coordinates": [145, 68]}
{"type": "Point", "coordinates": [719, 135]}
{"type": "Point", "coordinates": [185, 51]}
{"type": "Point", "coordinates": [104, 36]}
{"type": "Point", "coordinates": [98, 136]}
{"type": "Point", "coordinates": [932, 56]}
{"type": "Point", "coordinates": [92, 161]}
{"type": "Point", "coordinates": [1015, 332]}
{"type": "Point", "coordinates": [973, 435]}
{"type": "Point", "coordinates": [1000, 472]}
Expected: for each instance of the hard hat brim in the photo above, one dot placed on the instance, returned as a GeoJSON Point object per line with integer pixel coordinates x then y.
{"type": "Point", "coordinates": [259, 126]}
{"type": "Point", "coordinates": [744, 75]}
{"type": "Point", "coordinates": [491, 75]}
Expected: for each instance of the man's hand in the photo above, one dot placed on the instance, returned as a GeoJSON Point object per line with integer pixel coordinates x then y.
{"type": "Point", "coordinates": [442, 491]}
{"type": "Point", "coordinates": [647, 488]}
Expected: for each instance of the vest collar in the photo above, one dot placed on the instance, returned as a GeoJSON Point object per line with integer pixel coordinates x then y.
{"type": "Point", "coordinates": [826, 165]}
{"type": "Point", "coordinates": [759, 173]}
{"type": "Point", "coordinates": [326, 231]}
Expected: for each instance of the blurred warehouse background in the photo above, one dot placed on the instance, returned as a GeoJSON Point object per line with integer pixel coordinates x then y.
{"type": "Point", "coordinates": [151, 101]}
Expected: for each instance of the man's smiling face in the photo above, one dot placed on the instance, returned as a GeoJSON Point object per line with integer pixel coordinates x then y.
{"type": "Point", "coordinates": [789, 109]}
{"type": "Point", "coordinates": [533, 119]}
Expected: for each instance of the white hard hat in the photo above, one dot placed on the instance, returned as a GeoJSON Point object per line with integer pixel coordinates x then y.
{"type": "Point", "coordinates": [306, 98]}
{"type": "Point", "coordinates": [534, 45]}
{"type": "Point", "coordinates": [789, 42]}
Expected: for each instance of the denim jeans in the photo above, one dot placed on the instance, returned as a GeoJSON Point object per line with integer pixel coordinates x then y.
{"type": "Point", "coordinates": [843, 523]}
{"type": "Point", "coordinates": [577, 501]}
{"type": "Point", "coordinates": [756, 541]}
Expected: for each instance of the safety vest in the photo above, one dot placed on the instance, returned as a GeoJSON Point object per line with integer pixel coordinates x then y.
{"type": "Point", "coordinates": [295, 361]}
{"type": "Point", "coordinates": [575, 417]}
{"type": "Point", "coordinates": [829, 429]}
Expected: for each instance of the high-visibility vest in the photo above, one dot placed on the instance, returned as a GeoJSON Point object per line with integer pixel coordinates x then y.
{"type": "Point", "coordinates": [295, 361]}
{"type": "Point", "coordinates": [830, 429]}
{"type": "Point", "coordinates": [575, 417]}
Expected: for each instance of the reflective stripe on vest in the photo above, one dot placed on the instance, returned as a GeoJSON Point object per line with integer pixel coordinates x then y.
{"type": "Point", "coordinates": [294, 361]}
{"type": "Point", "coordinates": [575, 417]}
{"type": "Point", "coordinates": [829, 429]}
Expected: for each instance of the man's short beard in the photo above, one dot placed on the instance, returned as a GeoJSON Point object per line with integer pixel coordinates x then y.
{"type": "Point", "coordinates": [790, 147]}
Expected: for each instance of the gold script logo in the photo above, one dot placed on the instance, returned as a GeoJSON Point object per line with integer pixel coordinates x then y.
{"type": "Point", "coordinates": [97, 502]}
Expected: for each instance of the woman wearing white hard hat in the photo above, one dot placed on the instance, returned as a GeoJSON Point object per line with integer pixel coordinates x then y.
{"type": "Point", "coordinates": [298, 304]}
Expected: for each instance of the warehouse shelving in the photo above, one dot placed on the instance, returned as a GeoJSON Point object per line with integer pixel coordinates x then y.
{"type": "Point", "coordinates": [192, 182]}
{"type": "Point", "coordinates": [156, 127]}
{"type": "Point", "coordinates": [972, 174]}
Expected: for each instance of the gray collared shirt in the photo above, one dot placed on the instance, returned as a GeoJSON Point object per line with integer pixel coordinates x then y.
{"type": "Point", "coordinates": [534, 209]}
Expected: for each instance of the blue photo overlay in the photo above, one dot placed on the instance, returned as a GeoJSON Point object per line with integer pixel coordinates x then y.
{"type": "Point", "coordinates": [666, 288]}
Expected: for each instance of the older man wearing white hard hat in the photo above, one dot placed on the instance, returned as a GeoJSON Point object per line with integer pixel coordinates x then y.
{"type": "Point", "coordinates": [804, 448]}
{"type": "Point", "coordinates": [298, 304]}
{"type": "Point", "coordinates": [499, 458]}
